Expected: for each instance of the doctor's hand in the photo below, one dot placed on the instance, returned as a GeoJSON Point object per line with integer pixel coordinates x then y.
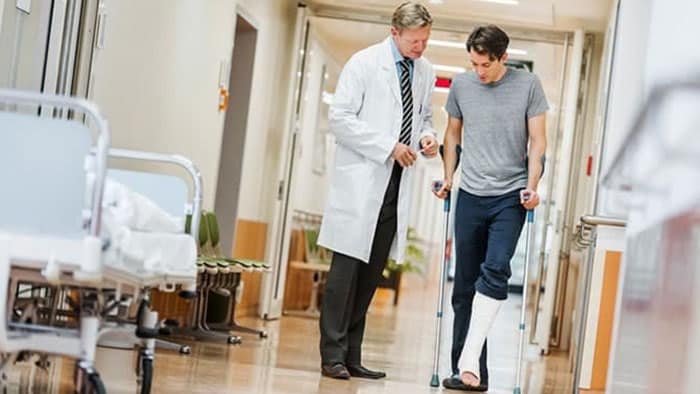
{"type": "Point", "coordinates": [429, 146]}
{"type": "Point", "coordinates": [404, 155]}
{"type": "Point", "coordinates": [444, 190]}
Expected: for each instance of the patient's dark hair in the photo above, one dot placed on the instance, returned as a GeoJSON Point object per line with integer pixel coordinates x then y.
{"type": "Point", "coordinates": [488, 40]}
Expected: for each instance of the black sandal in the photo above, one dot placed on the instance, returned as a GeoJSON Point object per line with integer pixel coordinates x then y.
{"type": "Point", "coordinates": [455, 383]}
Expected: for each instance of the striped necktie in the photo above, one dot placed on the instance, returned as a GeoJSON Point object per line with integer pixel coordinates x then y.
{"type": "Point", "coordinates": [407, 100]}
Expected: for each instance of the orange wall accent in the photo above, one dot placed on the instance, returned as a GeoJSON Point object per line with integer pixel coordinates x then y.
{"type": "Point", "coordinates": [606, 317]}
{"type": "Point", "coordinates": [249, 243]}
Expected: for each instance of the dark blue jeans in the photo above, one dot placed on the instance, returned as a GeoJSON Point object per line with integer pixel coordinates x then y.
{"type": "Point", "coordinates": [487, 230]}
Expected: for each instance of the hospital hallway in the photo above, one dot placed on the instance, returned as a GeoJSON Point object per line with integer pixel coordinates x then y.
{"type": "Point", "coordinates": [178, 174]}
{"type": "Point", "coordinates": [398, 340]}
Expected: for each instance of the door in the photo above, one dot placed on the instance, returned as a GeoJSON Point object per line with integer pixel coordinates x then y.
{"type": "Point", "coordinates": [239, 87]}
{"type": "Point", "coordinates": [547, 311]}
{"type": "Point", "coordinates": [24, 35]}
{"type": "Point", "coordinates": [273, 284]}
{"type": "Point", "coordinates": [43, 44]}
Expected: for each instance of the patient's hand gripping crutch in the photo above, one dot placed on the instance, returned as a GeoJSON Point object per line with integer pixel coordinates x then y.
{"type": "Point", "coordinates": [521, 326]}
{"type": "Point", "coordinates": [437, 185]}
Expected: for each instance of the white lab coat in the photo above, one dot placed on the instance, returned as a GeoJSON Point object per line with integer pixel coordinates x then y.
{"type": "Point", "coordinates": [365, 118]}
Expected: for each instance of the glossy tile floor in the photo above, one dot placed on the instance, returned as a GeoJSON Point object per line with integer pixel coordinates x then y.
{"type": "Point", "coordinates": [398, 340]}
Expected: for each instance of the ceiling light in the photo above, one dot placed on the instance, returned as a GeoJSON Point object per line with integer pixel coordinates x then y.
{"type": "Point", "coordinates": [513, 51]}
{"type": "Point", "coordinates": [461, 45]}
{"type": "Point", "coordinates": [448, 44]}
{"type": "Point", "coordinates": [452, 69]}
{"type": "Point", "coordinates": [507, 2]}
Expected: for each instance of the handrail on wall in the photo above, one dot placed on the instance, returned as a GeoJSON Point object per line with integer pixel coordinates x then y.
{"type": "Point", "coordinates": [586, 238]}
{"type": "Point", "coordinates": [602, 221]}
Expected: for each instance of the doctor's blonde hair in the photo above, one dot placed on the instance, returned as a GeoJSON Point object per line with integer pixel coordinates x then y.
{"type": "Point", "coordinates": [411, 15]}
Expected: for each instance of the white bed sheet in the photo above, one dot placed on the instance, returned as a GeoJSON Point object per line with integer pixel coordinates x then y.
{"type": "Point", "coordinates": [145, 243]}
{"type": "Point", "coordinates": [122, 207]}
{"type": "Point", "coordinates": [148, 254]}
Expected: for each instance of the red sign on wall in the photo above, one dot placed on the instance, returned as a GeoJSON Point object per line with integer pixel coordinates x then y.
{"type": "Point", "coordinates": [442, 82]}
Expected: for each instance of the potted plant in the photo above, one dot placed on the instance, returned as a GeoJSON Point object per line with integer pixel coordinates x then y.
{"type": "Point", "coordinates": [414, 261]}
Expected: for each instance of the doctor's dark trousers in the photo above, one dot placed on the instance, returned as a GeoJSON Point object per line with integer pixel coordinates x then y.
{"type": "Point", "coordinates": [487, 230]}
{"type": "Point", "coordinates": [351, 284]}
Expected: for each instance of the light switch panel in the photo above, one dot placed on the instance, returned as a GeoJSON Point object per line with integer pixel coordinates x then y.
{"type": "Point", "coordinates": [24, 5]}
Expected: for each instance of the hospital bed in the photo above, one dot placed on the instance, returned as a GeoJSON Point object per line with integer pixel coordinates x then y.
{"type": "Point", "coordinates": [50, 222]}
{"type": "Point", "coordinates": [146, 214]}
{"type": "Point", "coordinates": [70, 266]}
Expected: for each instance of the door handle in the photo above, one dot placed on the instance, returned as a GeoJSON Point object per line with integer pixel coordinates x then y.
{"type": "Point", "coordinates": [224, 98]}
{"type": "Point", "coordinates": [100, 29]}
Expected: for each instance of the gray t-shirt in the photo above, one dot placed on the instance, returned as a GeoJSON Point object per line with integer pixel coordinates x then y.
{"type": "Point", "coordinates": [495, 135]}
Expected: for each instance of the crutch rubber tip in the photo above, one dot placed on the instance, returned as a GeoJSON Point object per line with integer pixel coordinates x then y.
{"type": "Point", "coordinates": [435, 381]}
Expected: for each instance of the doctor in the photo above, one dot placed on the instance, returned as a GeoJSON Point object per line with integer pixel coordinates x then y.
{"type": "Point", "coordinates": [381, 117]}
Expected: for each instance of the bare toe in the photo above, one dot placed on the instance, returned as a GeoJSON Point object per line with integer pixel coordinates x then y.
{"type": "Point", "coordinates": [469, 379]}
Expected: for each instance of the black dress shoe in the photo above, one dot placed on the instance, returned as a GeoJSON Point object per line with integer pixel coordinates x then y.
{"type": "Point", "coordinates": [455, 383]}
{"type": "Point", "coordinates": [335, 371]}
{"type": "Point", "coordinates": [358, 371]}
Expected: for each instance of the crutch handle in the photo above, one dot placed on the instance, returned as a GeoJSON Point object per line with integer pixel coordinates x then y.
{"type": "Point", "coordinates": [525, 195]}
{"type": "Point", "coordinates": [437, 185]}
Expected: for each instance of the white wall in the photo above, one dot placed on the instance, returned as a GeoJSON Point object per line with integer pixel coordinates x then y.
{"type": "Point", "coordinates": [312, 186]}
{"type": "Point", "coordinates": [627, 89]}
{"type": "Point", "coordinates": [2, 10]}
{"type": "Point", "coordinates": [673, 48]}
{"type": "Point", "coordinates": [267, 120]}
{"type": "Point", "coordinates": [157, 82]}
{"type": "Point", "coordinates": [157, 78]}
{"type": "Point", "coordinates": [674, 54]}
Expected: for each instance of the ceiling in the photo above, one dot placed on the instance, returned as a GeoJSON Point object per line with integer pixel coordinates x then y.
{"type": "Point", "coordinates": [334, 34]}
{"type": "Point", "coordinates": [333, 37]}
{"type": "Point", "coordinates": [342, 34]}
{"type": "Point", "coordinates": [558, 15]}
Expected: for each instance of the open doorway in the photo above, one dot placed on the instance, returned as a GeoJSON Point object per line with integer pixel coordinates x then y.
{"type": "Point", "coordinates": [235, 125]}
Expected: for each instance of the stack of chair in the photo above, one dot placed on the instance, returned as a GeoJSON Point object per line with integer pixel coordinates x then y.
{"type": "Point", "coordinates": [219, 275]}
{"type": "Point", "coordinates": [229, 282]}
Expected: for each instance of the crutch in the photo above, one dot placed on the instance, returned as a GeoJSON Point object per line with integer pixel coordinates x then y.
{"type": "Point", "coordinates": [521, 343]}
{"type": "Point", "coordinates": [437, 185]}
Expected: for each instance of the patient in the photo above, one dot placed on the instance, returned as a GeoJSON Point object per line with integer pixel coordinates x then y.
{"type": "Point", "coordinates": [501, 166]}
